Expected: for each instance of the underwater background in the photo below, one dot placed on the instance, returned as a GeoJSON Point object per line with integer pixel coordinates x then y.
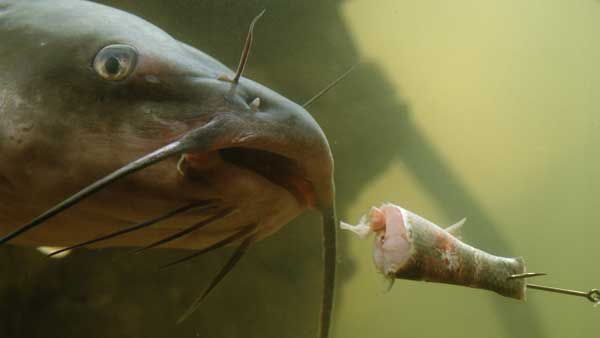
{"type": "Point", "coordinates": [479, 109]}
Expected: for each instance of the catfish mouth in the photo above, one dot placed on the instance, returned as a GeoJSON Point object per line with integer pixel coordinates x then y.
{"type": "Point", "coordinates": [277, 169]}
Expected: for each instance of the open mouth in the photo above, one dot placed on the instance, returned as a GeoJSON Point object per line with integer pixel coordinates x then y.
{"type": "Point", "coordinates": [278, 169]}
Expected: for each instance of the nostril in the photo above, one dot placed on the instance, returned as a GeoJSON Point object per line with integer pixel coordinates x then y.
{"type": "Point", "coordinates": [255, 104]}
{"type": "Point", "coordinates": [224, 77]}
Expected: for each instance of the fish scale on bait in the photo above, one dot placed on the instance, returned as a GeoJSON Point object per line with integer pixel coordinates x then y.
{"type": "Point", "coordinates": [408, 246]}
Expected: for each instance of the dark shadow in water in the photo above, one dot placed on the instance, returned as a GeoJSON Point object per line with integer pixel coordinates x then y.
{"type": "Point", "coordinates": [274, 292]}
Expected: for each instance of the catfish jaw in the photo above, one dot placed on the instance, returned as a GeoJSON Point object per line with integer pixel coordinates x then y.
{"type": "Point", "coordinates": [279, 147]}
{"type": "Point", "coordinates": [63, 127]}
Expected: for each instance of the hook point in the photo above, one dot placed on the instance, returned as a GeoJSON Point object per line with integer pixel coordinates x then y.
{"type": "Point", "coordinates": [527, 275]}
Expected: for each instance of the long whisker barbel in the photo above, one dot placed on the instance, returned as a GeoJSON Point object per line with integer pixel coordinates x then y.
{"type": "Point", "coordinates": [593, 295]}
{"type": "Point", "coordinates": [147, 160]}
{"type": "Point", "coordinates": [227, 240]}
{"type": "Point", "coordinates": [221, 214]}
{"type": "Point", "coordinates": [245, 52]}
{"type": "Point", "coordinates": [329, 86]}
{"type": "Point", "coordinates": [231, 263]}
{"type": "Point", "coordinates": [247, 46]}
{"type": "Point", "coordinates": [139, 226]}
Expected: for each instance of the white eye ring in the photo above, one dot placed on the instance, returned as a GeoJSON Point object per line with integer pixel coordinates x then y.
{"type": "Point", "coordinates": [115, 62]}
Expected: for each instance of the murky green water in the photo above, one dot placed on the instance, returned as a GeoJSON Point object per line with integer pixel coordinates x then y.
{"type": "Point", "coordinates": [480, 109]}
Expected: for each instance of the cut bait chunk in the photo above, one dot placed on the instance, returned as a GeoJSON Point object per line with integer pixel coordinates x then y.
{"type": "Point", "coordinates": [408, 246]}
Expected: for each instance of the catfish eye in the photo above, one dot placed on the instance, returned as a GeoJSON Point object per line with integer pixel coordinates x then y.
{"type": "Point", "coordinates": [115, 62]}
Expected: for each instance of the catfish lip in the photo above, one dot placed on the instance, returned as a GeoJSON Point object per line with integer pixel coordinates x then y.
{"type": "Point", "coordinates": [294, 155]}
{"type": "Point", "coordinates": [278, 169]}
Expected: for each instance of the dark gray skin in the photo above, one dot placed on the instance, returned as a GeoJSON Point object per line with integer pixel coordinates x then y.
{"type": "Point", "coordinates": [63, 126]}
